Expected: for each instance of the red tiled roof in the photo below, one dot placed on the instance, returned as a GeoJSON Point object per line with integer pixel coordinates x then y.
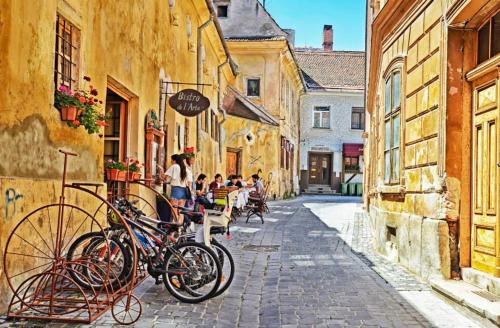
{"type": "Point", "coordinates": [332, 70]}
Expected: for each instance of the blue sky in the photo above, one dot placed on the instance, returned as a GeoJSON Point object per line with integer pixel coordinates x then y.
{"type": "Point", "coordinates": [307, 18]}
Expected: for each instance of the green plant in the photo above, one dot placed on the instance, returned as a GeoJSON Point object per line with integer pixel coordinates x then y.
{"type": "Point", "coordinates": [134, 165]}
{"type": "Point", "coordinates": [111, 164]}
{"type": "Point", "coordinates": [88, 114]}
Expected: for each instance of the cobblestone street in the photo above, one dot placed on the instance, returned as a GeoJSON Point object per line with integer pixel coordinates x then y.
{"type": "Point", "coordinates": [298, 271]}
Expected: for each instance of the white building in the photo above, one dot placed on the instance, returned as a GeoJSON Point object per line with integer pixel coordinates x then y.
{"type": "Point", "coordinates": [332, 116]}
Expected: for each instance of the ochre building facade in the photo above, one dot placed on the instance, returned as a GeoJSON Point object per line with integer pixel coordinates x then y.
{"type": "Point", "coordinates": [431, 174]}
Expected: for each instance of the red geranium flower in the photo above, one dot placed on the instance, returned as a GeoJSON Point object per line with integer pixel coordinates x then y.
{"type": "Point", "coordinates": [93, 92]}
{"type": "Point", "coordinates": [82, 99]}
{"type": "Point", "coordinates": [86, 78]}
{"type": "Point", "coordinates": [76, 122]}
{"type": "Point", "coordinates": [101, 123]}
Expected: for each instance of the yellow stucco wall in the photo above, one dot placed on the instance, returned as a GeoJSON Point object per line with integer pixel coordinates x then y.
{"type": "Point", "coordinates": [126, 42]}
{"type": "Point", "coordinates": [418, 44]}
{"type": "Point", "coordinates": [255, 155]}
{"type": "Point", "coordinates": [281, 86]}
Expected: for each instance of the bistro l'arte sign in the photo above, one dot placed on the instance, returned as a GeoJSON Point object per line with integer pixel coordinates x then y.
{"type": "Point", "coordinates": [189, 102]}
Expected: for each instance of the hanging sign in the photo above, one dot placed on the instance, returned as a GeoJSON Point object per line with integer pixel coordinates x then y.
{"type": "Point", "coordinates": [189, 102]}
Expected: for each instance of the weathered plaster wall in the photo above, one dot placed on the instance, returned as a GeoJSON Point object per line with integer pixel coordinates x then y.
{"type": "Point", "coordinates": [420, 206]}
{"type": "Point", "coordinates": [258, 155]}
{"type": "Point", "coordinates": [126, 44]}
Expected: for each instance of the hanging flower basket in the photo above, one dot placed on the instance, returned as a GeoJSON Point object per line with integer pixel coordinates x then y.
{"type": "Point", "coordinates": [68, 113]}
{"type": "Point", "coordinates": [116, 175]}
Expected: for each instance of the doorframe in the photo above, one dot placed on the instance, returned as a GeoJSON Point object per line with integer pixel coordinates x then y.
{"type": "Point", "coordinates": [238, 152]}
{"type": "Point", "coordinates": [329, 154]}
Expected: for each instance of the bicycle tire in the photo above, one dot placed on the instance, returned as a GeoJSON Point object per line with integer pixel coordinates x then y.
{"type": "Point", "coordinates": [225, 251]}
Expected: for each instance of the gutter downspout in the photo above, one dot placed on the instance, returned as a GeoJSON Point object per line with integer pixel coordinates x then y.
{"type": "Point", "coordinates": [219, 100]}
{"type": "Point", "coordinates": [199, 73]}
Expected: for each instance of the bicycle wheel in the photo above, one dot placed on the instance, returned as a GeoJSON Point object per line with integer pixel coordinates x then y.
{"type": "Point", "coordinates": [192, 272]}
{"type": "Point", "coordinates": [227, 265]}
{"type": "Point", "coordinates": [93, 248]}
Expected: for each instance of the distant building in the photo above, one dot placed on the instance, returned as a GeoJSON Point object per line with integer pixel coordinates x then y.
{"type": "Point", "coordinates": [332, 116]}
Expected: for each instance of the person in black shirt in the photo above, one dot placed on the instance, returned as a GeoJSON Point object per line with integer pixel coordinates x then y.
{"type": "Point", "coordinates": [234, 182]}
{"type": "Point", "coordinates": [201, 192]}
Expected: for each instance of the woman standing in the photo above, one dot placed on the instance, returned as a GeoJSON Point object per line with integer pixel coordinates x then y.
{"type": "Point", "coordinates": [177, 176]}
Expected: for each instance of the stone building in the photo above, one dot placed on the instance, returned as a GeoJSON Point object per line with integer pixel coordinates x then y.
{"type": "Point", "coordinates": [431, 160]}
{"type": "Point", "coordinates": [332, 116]}
{"type": "Point", "coordinates": [126, 48]}
{"type": "Point", "coordinates": [270, 78]}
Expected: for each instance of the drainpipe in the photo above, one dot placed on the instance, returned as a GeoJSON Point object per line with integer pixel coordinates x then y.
{"type": "Point", "coordinates": [199, 74]}
{"type": "Point", "coordinates": [219, 100]}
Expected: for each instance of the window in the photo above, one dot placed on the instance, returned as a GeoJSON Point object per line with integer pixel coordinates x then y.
{"type": "Point", "coordinates": [392, 127]}
{"type": "Point", "coordinates": [358, 118]}
{"type": "Point", "coordinates": [115, 133]}
{"type": "Point", "coordinates": [222, 11]}
{"type": "Point", "coordinates": [488, 39]}
{"type": "Point", "coordinates": [253, 87]}
{"type": "Point", "coordinates": [282, 152]}
{"type": "Point", "coordinates": [351, 164]}
{"type": "Point", "coordinates": [66, 54]}
{"type": "Point", "coordinates": [321, 117]}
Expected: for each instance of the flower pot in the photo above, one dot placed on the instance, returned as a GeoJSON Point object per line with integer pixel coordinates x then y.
{"type": "Point", "coordinates": [116, 175]}
{"type": "Point", "coordinates": [132, 176]}
{"type": "Point", "coordinates": [68, 113]}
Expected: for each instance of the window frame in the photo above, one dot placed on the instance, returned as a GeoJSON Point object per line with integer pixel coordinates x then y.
{"type": "Point", "coordinates": [358, 170]}
{"type": "Point", "coordinates": [316, 109]}
{"type": "Point", "coordinates": [360, 111]}
{"type": "Point", "coordinates": [488, 23]}
{"type": "Point", "coordinates": [247, 80]}
{"type": "Point", "coordinates": [226, 6]}
{"type": "Point", "coordinates": [395, 111]}
{"type": "Point", "coordinates": [62, 58]}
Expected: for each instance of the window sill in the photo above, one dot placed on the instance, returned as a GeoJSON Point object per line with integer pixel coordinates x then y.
{"type": "Point", "coordinates": [315, 127]}
{"type": "Point", "coordinates": [393, 189]}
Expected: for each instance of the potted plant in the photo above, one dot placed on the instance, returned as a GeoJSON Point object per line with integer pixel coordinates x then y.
{"type": "Point", "coordinates": [115, 171]}
{"type": "Point", "coordinates": [134, 169]}
{"type": "Point", "coordinates": [189, 153]}
{"type": "Point", "coordinates": [80, 108]}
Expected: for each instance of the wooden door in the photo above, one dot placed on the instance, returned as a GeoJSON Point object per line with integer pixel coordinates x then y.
{"type": "Point", "coordinates": [320, 169]}
{"type": "Point", "coordinates": [232, 161]}
{"type": "Point", "coordinates": [485, 230]}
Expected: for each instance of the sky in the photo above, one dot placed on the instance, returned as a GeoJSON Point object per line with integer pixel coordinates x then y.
{"type": "Point", "coordinates": [307, 18]}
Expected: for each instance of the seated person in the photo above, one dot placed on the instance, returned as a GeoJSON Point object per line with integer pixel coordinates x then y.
{"type": "Point", "coordinates": [217, 183]}
{"type": "Point", "coordinates": [258, 186]}
{"type": "Point", "coordinates": [241, 181]}
{"type": "Point", "coordinates": [201, 195]}
{"type": "Point", "coordinates": [234, 182]}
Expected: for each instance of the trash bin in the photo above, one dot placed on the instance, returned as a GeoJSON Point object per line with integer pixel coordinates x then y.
{"type": "Point", "coordinates": [343, 187]}
{"type": "Point", "coordinates": [359, 189]}
{"type": "Point", "coordinates": [351, 189]}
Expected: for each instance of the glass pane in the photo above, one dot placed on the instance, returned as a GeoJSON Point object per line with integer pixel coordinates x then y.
{"type": "Point", "coordinates": [388, 96]}
{"type": "Point", "coordinates": [317, 120]}
{"type": "Point", "coordinates": [253, 87]}
{"type": "Point", "coordinates": [396, 131]}
{"type": "Point", "coordinates": [387, 135]}
{"type": "Point", "coordinates": [387, 165]}
{"type": "Point", "coordinates": [483, 43]}
{"type": "Point", "coordinates": [495, 34]}
{"type": "Point", "coordinates": [396, 92]}
{"type": "Point", "coordinates": [395, 170]}
{"type": "Point", "coordinates": [326, 120]}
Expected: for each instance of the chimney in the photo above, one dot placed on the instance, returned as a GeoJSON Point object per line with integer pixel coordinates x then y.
{"type": "Point", "coordinates": [327, 38]}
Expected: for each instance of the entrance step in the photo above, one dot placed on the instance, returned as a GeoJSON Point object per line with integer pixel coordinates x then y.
{"type": "Point", "coordinates": [482, 280]}
{"type": "Point", "coordinates": [474, 299]}
{"type": "Point", "coordinates": [320, 192]}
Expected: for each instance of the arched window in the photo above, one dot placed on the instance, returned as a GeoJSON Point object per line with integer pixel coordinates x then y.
{"type": "Point", "coordinates": [392, 126]}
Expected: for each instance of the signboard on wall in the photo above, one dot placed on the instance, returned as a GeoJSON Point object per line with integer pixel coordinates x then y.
{"type": "Point", "coordinates": [189, 102]}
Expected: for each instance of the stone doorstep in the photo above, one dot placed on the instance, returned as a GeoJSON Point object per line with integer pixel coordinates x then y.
{"type": "Point", "coordinates": [321, 192]}
{"type": "Point", "coordinates": [461, 293]}
{"type": "Point", "coordinates": [482, 280]}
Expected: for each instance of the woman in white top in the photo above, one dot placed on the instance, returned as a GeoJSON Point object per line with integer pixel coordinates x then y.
{"type": "Point", "coordinates": [177, 175]}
